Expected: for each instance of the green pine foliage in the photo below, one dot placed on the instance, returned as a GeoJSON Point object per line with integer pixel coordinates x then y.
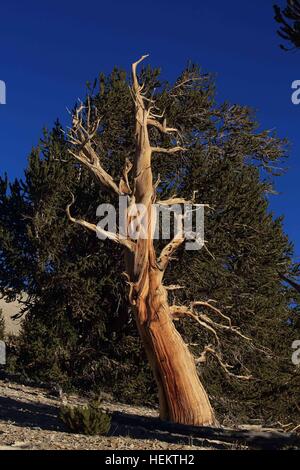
{"type": "Point", "coordinates": [76, 315]}
{"type": "Point", "coordinates": [288, 18]}
{"type": "Point", "coordinates": [87, 419]}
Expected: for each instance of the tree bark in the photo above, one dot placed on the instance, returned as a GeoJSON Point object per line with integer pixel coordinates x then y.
{"type": "Point", "coordinates": [182, 398]}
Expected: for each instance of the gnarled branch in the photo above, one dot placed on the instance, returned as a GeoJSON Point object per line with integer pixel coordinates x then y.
{"type": "Point", "coordinates": [216, 310]}
{"type": "Point", "coordinates": [124, 186]}
{"type": "Point", "coordinates": [179, 311]}
{"type": "Point", "coordinates": [169, 151]}
{"type": "Point", "coordinates": [81, 138]}
{"type": "Point", "coordinates": [226, 367]}
{"type": "Point", "coordinates": [145, 117]}
{"type": "Point", "coordinates": [161, 127]}
{"type": "Point", "coordinates": [129, 244]}
{"type": "Point", "coordinates": [168, 251]}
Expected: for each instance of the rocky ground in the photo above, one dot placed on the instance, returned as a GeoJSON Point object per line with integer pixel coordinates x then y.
{"type": "Point", "coordinates": [29, 420]}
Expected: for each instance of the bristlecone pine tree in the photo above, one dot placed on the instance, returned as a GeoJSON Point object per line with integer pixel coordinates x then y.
{"type": "Point", "coordinates": [78, 329]}
{"type": "Point", "coordinates": [182, 397]}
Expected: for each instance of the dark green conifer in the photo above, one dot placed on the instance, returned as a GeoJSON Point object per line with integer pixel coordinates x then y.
{"type": "Point", "coordinates": [78, 329]}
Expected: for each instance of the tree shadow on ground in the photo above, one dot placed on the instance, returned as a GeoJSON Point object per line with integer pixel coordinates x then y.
{"type": "Point", "coordinates": [146, 427]}
{"type": "Point", "coordinates": [33, 415]}
{"type": "Point", "coordinates": [204, 436]}
{"type": "Point", "coordinates": [45, 417]}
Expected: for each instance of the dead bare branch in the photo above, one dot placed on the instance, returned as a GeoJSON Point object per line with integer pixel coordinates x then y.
{"type": "Point", "coordinates": [134, 67]}
{"type": "Point", "coordinates": [220, 326]}
{"type": "Point", "coordinates": [168, 150]}
{"type": "Point", "coordinates": [180, 200]}
{"type": "Point", "coordinates": [179, 311]}
{"type": "Point", "coordinates": [81, 137]}
{"type": "Point", "coordinates": [226, 367]}
{"type": "Point", "coordinates": [216, 310]}
{"type": "Point", "coordinates": [168, 251]}
{"type": "Point", "coordinates": [129, 244]}
{"type": "Point", "coordinates": [162, 127]}
{"type": "Point", "coordinates": [173, 287]}
{"type": "Point", "coordinates": [124, 186]}
{"type": "Point", "coordinates": [204, 321]}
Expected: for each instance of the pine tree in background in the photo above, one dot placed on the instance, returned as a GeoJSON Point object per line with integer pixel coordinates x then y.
{"type": "Point", "coordinates": [78, 329]}
{"type": "Point", "coordinates": [289, 20]}
{"type": "Point", "coordinates": [74, 307]}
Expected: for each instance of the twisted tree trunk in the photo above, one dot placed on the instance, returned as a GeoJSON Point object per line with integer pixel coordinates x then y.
{"type": "Point", "coordinates": [182, 398]}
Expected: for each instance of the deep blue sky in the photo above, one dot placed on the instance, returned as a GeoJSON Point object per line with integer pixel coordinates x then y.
{"type": "Point", "coordinates": [50, 49]}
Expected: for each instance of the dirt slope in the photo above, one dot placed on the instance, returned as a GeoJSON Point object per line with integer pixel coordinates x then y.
{"type": "Point", "coordinates": [29, 420]}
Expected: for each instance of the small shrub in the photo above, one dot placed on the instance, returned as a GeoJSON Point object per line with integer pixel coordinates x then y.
{"type": "Point", "coordinates": [87, 419]}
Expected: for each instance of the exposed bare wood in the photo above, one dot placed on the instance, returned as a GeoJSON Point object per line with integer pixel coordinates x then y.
{"type": "Point", "coordinates": [212, 307]}
{"type": "Point", "coordinates": [124, 186]}
{"type": "Point", "coordinates": [182, 397]}
{"type": "Point", "coordinates": [168, 150]}
{"type": "Point", "coordinates": [162, 127]}
{"type": "Point", "coordinates": [177, 312]}
{"type": "Point", "coordinates": [205, 318]}
{"type": "Point", "coordinates": [94, 228]}
{"type": "Point", "coordinates": [81, 138]}
{"type": "Point", "coordinates": [180, 311]}
{"type": "Point", "coordinates": [178, 200]}
{"type": "Point", "coordinates": [226, 367]}
{"type": "Point", "coordinates": [173, 287]}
